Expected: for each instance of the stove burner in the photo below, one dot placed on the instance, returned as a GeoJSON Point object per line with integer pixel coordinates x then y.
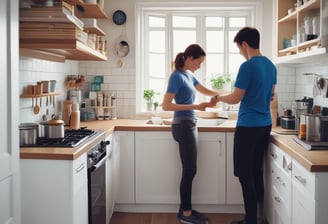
{"type": "Point", "coordinates": [72, 138]}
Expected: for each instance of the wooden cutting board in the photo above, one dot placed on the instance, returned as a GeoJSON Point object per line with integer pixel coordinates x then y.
{"type": "Point", "coordinates": [283, 131]}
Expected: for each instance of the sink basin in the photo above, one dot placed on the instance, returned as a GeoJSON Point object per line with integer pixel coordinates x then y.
{"type": "Point", "coordinates": [210, 121]}
{"type": "Point", "coordinates": [201, 122]}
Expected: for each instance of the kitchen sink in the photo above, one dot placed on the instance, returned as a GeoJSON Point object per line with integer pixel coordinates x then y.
{"type": "Point", "coordinates": [210, 121]}
{"type": "Point", "coordinates": [200, 121]}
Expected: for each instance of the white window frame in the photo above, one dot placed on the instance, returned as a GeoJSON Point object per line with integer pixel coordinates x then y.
{"type": "Point", "coordinates": [143, 10]}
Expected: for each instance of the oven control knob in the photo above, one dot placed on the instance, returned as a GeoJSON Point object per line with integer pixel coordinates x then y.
{"type": "Point", "coordinates": [104, 143]}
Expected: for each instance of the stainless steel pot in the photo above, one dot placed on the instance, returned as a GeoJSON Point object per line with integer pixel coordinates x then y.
{"type": "Point", "coordinates": [312, 127]}
{"type": "Point", "coordinates": [28, 133]}
{"type": "Point", "coordinates": [52, 129]}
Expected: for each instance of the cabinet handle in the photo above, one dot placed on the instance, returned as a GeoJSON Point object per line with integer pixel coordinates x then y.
{"type": "Point", "coordinates": [280, 181]}
{"type": "Point", "coordinates": [220, 148]}
{"type": "Point", "coordinates": [301, 179]}
{"type": "Point", "coordinates": [273, 155]}
{"type": "Point", "coordinates": [290, 167]}
{"type": "Point", "coordinates": [80, 168]}
{"type": "Point", "coordinates": [277, 199]}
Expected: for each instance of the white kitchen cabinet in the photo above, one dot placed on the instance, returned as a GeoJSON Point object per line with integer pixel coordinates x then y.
{"type": "Point", "coordinates": [124, 167]}
{"type": "Point", "coordinates": [291, 23]}
{"type": "Point", "coordinates": [304, 205]}
{"type": "Point", "coordinates": [279, 167]}
{"type": "Point", "coordinates": [209, 183]}
{"type": "Point", "coordinates": [234, 192]}
{"type": "Point", "coordinates": [158, 169]}
{"type": "Point", "coordinates": [110, 175]}
{"type": "Point", "coordinates": [298, 196]}
{"type": "Point", "coordinates": [54, 191]}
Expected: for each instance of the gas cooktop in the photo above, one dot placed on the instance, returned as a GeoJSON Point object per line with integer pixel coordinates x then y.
{"type": "Point", "coordinates": [72, 138]}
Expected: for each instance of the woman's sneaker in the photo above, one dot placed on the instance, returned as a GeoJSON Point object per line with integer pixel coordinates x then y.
{"type": "Point", "coordinates": [196, 214]}
{"type": "Point", "coordinates": [192, 219]}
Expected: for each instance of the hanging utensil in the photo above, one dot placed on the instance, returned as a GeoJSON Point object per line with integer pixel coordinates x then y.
{"type": "Point", "coordinates": [36, 109]}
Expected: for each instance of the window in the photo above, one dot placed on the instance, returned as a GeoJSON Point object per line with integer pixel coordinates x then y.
{"type": "Point", "coordinates": [164, 31]}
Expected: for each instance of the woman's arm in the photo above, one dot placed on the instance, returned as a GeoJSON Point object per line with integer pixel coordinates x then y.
{"type": "Point", "coordinates": [168, 104]}
{"type": "Point", "coordinates": [209, 92]}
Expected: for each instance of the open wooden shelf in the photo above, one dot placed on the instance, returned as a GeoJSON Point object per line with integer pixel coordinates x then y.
{"type": "Point", "coordinates": [40, 95]}
{"type": "Point", "coordinates": [60, 44]}
{"type": "Point", "coordinates": [89, 10]}
{"type": "Point", "coordinates": [70, 49]}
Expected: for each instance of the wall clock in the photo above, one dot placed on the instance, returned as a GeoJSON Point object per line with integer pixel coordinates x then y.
{"type": "Point", "coordinates": [119, 17]}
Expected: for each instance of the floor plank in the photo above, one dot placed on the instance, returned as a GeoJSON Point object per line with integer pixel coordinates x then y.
{"type": "Point", "coordinates": [168, 218]}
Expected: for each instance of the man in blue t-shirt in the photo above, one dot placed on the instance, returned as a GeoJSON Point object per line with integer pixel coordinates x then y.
{"type": "Point", "coordinates": [254, 88]}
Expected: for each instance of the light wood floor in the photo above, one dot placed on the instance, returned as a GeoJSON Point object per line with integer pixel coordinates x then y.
{"type": "Point", "coordinates": [168, 218]}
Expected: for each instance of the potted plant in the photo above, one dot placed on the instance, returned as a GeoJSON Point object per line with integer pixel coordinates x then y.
{"type": "Point", "coordinates": [156, 104]}
{"type": "Point", "coordinates": [149, 95]}
{"type": "Point", "coordinates": [219, 81]}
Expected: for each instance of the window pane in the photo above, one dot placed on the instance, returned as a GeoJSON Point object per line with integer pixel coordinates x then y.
{"type": "Point", "coordinates": [156, 21]}
{"type": "Point", "coordinates": [235, 60]}
{"type": "Point", "coordinates": [157, 65]}
{"type": "Point", "coordinates": [215, 41]}
{"type": "Point", "coordinates": [181, 21]}
{"type": "Point", "coordinates": [214, 22]}
{"type": "Point", "coordinates": [214, 65]}
{"type": "Point", "coordinates": [237, 21]}
{"type": "Point", "coordinates": [157, 41]}
{"type": "Point", "coordinates": [181, 40]}
{"type": "Point", "coordinates": [232, 46]}
{"type": "Point", "coordinates": [158, 86]}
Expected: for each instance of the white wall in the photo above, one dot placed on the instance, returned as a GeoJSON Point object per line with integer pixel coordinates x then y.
{"type": "Point", "coordinates": [294, 85]}
{"type": "Point", "coordinates": [32, 70]}
{"type": "Point", "coordinates": [123, 80]}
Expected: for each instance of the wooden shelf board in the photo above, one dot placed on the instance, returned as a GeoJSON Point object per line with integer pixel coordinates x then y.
{"type": "Point", "coordinates": [94, 30]}
{"type": "Point", "coordinates": [90, 10]}
{"type": "Point", "coordinates": [41, 55]}
{"type": "Point", "coordinates": [40, 95]}
{"type": "Point", "coordinates": [311, 56]}
{"type": "Point", "coordinates": [70, 49]}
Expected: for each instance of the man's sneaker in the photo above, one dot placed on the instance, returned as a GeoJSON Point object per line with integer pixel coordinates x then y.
{"type": "Point", "coordinates": [197, 214]}
{"type": "Point", "coordinates": [192, 219]}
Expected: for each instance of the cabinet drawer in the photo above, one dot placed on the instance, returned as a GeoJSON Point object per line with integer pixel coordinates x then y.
{"type": "Point", "coordinates": [281, 210]}
{"type": "Point", "coordinates": [304, 179]}
{"type": "Point", "coordinates": [303, 206]}
{"type": "Point", "coordinates": [281, 159]}
{"type": "Point", "coordinates": [282, 182]}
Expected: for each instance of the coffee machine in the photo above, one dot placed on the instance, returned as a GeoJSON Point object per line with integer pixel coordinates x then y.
{"type": "Point", "coordinates": [302, 106]}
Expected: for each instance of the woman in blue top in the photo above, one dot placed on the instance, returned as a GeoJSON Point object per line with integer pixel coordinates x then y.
{"type": "Point", "coordinates": [182, 89]}
{"type": "Point", "coordinates": [254, 88]}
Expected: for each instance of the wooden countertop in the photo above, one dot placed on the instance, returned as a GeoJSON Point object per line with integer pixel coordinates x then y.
{"type": "Point", "coordinates": [314, 161]}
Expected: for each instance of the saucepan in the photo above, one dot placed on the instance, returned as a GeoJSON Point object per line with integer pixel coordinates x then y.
{"type": "Point", "coordinates": [53, 128]}
{"type": "Point", "coordinates": [28, 133]}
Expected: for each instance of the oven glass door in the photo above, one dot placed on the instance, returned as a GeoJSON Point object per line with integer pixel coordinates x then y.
{"type": "Point", "coordinates": [97, 192]}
